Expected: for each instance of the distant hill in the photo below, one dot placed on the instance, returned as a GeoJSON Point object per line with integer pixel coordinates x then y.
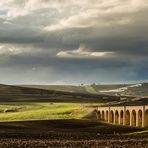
{"type": "Point", "coordinates": [9, 93]}
{"type": "Point", "coordinates": [117, 94]}
{"type": "Point", "coordinates": [140, 89]}
{"type": "Point", "coordinates": [108, 94]}
{"type": "Point", "coordinates": [65, 88]}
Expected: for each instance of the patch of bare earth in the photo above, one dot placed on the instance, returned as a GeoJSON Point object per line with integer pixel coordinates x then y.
{"type": "Point", "coordinates": [68, 134]}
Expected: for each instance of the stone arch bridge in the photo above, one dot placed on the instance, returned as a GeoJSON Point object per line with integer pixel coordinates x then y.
{"type": "Point", "coordinates": [124, 115]}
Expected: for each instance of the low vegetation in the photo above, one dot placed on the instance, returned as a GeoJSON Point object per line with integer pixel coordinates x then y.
{"type": "Point", "coordinates": [43, 111]}
{"type": "Point", "coordinates": [138, 132]}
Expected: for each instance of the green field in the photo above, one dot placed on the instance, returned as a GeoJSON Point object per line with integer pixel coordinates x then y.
{"type": "Point", "coordinates": [43, 111]}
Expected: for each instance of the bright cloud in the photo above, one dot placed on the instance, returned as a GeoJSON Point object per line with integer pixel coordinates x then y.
{"type": "Point", "coordinates": [81, 52]}
{"type": "Point", "coordinates": [8, 50]}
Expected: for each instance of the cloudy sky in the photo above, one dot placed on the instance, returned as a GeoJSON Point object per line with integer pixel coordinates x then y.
{"type": "Point", "coordinates": [73, 41]}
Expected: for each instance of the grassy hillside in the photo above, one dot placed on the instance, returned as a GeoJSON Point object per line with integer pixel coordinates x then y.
{"type": "Point", "coordinates": [123, 89]}
{"type": "Point", "coordinates": [111, 89]}
{"type": "Point", "coordinates": [111, 94]}
{"type": "Point", "coordinates": [119, 94]}
{"type": "Point", "coordinates": [64, 88]}
{"type": "Point", "coordinates": [26, 94]}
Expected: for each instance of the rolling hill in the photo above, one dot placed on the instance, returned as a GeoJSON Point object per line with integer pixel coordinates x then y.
{"type": "Point", "coordinates": [140, 89]}
{"type": "Point", "coordinates": [110, 94]}
{"type": "Point", "coordinates": [9, 93]}
{"type": "Point", "coordinates": [125, 93]}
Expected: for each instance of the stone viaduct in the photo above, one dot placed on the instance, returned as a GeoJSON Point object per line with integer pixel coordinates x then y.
{"type": "Point", "coordinates": [124, 115]}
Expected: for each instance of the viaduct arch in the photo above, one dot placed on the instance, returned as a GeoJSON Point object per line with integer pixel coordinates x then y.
{"type": "Point", "coordinates": [136, 116]}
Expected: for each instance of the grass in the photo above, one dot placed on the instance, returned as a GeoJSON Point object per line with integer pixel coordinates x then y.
{"type": "Point", "coordinates": [138, 132]}
{"type": "Point", "coordinates": [42, 111]}
{"type": "Point", "coordinates": [90, 89]}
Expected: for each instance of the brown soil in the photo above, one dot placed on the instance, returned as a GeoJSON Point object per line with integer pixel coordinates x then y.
{"type": "Point", "coordinates": [69, 134]}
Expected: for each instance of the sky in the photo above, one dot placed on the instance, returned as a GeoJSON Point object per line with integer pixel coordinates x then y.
{"type": "Point", "coordinates": [73, 41]}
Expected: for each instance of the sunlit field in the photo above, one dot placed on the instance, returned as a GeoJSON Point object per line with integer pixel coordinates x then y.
{"type": "Point", "coordinates": [43, 111]}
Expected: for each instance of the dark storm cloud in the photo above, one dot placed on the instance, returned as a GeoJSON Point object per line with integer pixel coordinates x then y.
{"type": "Point", "coordinates": [73, 41]}
{"type": "Point", "coordinates": [57, 70]}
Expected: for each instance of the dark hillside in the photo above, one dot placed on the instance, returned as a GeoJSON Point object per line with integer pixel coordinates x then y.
{"type": "Point", "coordinates": [23, 94]}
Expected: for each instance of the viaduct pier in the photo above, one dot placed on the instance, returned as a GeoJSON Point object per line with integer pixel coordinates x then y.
{"type": "Point", "coordinates": [136, 116]}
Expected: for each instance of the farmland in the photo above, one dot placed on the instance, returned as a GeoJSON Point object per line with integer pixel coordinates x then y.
{"type": "Point", "coordinates": [33, 117]}
{"type": "Point", "coordinates": [62, 125]}
{"type": "Point", "coordinates": [43, 111]}
{"type": "Point", "coordinates": [69, 133]}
